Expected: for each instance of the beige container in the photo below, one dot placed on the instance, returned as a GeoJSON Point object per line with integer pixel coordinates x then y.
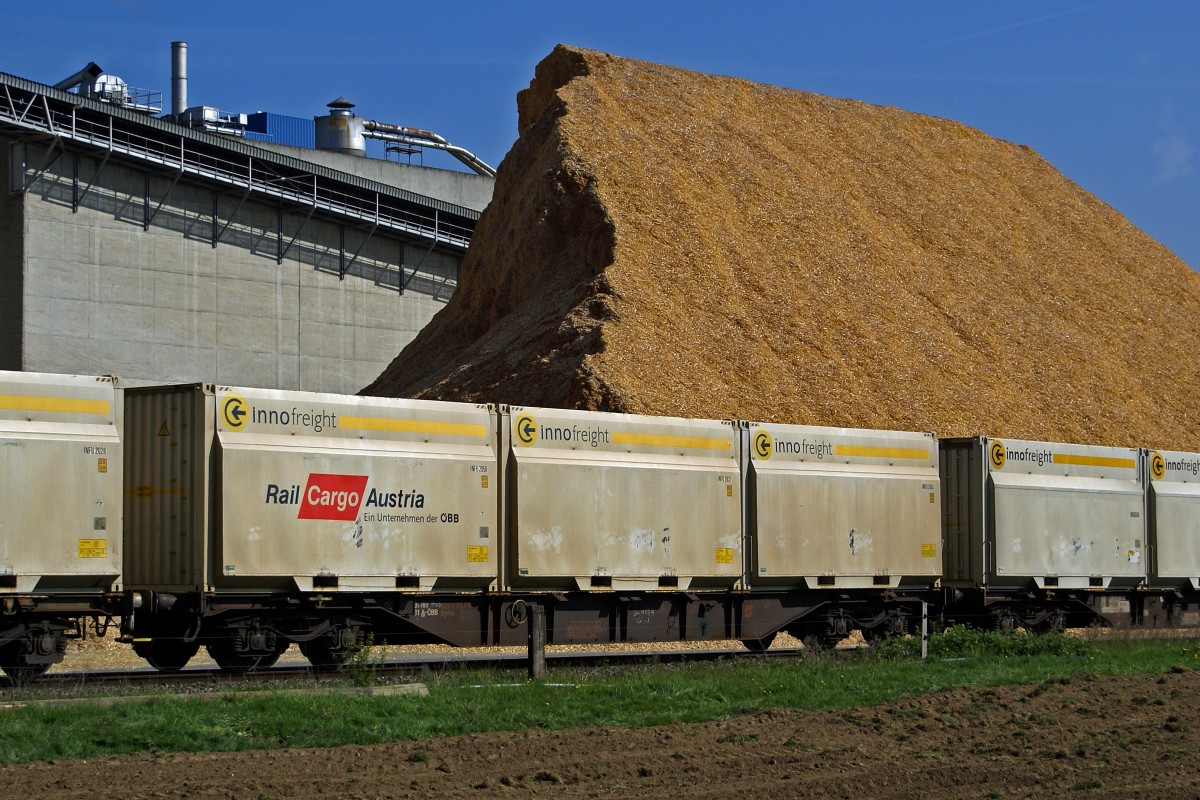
{"type": "Point", "coordinates": [1048, 514]}
{"type": "Point", "coordinates": [1173, 504]}
{"type": "Point", "coordinates": [60, 496]}
{"type": "Point", "coordinates": [840, 508]}
{"type": "Point", "coordinates": [602, 501]}
{"type": "Point", "coordinates": [253, 489]}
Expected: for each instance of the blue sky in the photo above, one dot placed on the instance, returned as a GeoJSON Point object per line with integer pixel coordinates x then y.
{"type": "Point", "coordinates": [1108, 91]}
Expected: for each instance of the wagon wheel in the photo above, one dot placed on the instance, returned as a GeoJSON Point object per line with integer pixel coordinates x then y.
{"type": "Point", "coordinates": [1004, 620]}
{"type": "Point", "coordinates": [895, 623]}
{"type": "Point", "coordinates": [321, 655]}
{"type": "Point", "coordinates": [813, 643]}
{"type": "Point", "coordinates": [328, 652]}
{"type": "Point", "coordinates": [874, 634]}
{"type": "Point", "coordinates": [14, 660]}
{"type": "Point", "coordinates": [817, 638]}
{"type": "Point", "coordinates": [167, 655]}
{"type": "Point", "coordinates": [1054, 622]}
{"type": "Point", "coordinates": [759, 645]}
{"type": "Point", "coordinates": [235, 663]}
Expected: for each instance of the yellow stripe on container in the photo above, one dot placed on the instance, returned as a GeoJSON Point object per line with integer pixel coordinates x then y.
{"type": "Point", "coordinates": [413, 426]}
{"type": "Point", "coordinates": [867, 451]}
{"type": "Point", "coordinates": [58, 405]}
{"type": "Point", "coordinates": [681, 442]}
{"type": "Point", "coordinates": [1094, 461]}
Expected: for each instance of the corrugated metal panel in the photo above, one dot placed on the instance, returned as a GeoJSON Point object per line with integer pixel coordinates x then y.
{"type": "Point", "coordinates": [60, 482]}
{"type": "Point", "coordinates": [963, 502]}
{"type": "Point", "coordinates": [282, 129]}
{"type": "Point", "coordinates": [169, 436]}
{"type": "Point", "coordinates": [293, 131]}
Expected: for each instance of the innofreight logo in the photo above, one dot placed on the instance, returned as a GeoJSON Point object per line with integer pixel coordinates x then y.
{"type": "Point", "coordinates": [528, 431]}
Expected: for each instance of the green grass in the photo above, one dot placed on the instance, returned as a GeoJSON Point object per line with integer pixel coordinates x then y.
{"type": "Point", "coordinates": [467, 701]}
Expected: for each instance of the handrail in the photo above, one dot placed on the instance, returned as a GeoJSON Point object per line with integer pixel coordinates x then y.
{"type": "Point", "coordinates": [68, 119]}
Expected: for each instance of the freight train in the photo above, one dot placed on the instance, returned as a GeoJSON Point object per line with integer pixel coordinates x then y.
{"type": "Point", "coordinates": [244, 520]}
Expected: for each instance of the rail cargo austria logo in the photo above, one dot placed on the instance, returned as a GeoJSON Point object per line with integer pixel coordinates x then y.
{"type": "Point", "coordinates": [526, 430]}
{"type": "Point", "coordinates": [997, 454]}
{"type": "Point", "coordinates": [762, 445]}
{"type": "Point", "coordinates": [1158, 466]}
{"type": "Point", "coordinates": [334, 497]}
{"type": "Point", "coordinates": [233, 411]}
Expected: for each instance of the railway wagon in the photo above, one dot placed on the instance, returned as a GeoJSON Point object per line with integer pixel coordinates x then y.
{"type": "Point", "coordinates": [845, 523]}
{"type": "Point", "coordinates": [1034, 531]}
{"type": "Point", "coordinates": [60, 513]}
{"type": "Point", "coordinates": [257, 518]}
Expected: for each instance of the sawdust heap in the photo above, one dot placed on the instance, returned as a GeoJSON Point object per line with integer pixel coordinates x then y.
{"type": "Point", "coordinates": [668, 242]}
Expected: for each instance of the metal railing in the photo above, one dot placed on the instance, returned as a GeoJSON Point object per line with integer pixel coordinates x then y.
{"type": "Point", "coordinates": [62, 117]}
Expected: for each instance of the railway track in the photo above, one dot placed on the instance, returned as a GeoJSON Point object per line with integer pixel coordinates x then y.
{"type": "Point", "coordinates": [294, 671]}
{"type": "Point", "coordinates": [202, 678]}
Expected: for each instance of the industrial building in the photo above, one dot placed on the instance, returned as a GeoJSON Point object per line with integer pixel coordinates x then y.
{"type": "Point", "coordinates": [198, 246]}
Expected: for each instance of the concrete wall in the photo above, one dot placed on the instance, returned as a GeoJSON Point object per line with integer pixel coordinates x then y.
{"type": "Point", "coordinates": [461, 188]}
{"type": "Point", "coordinates": [99, 294]}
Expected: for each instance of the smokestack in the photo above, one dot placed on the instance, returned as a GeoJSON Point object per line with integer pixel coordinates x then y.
{"type": "Point", "coordinates": [88, 73]}
{"type": "Point", "coordinates": [178, 77]}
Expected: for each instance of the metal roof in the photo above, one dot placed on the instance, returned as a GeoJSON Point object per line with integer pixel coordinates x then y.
{"type": "Point", "coordinates": [58, 116]}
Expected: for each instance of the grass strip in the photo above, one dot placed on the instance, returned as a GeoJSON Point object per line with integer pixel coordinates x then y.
{"type": "Point", "coordinates": [462, 702]}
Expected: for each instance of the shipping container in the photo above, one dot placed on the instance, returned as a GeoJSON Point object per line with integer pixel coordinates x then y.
{"type": "Point", "coordinates": [60, 496]}
{"type": "Point", "coordinates": [1042, 515]}
{"type": "Point", "coordinates": [600, 502]}
{"type": "Point", "coordinates": [838, 508]}
{"type": "Point", "coordinates": [1173, 515]}
{"type": "Point", "coordinates": [254, 490]}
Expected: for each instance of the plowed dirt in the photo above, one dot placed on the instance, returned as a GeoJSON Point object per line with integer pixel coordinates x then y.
{"type": "Point", "coordinates": [1087, 737]}
{"type": "Point", "coordinates": [667, 242]}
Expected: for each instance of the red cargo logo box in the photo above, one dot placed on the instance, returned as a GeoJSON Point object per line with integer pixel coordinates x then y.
{"type": "Point", "coordinates": [335, 497]}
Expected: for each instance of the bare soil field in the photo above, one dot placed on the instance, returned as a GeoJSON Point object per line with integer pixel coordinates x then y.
{"type": "Point", "coordinates": [1080, 738]}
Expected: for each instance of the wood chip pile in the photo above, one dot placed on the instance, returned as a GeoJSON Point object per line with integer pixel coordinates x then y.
{"type": "Point", "coordinates": [667, 242]}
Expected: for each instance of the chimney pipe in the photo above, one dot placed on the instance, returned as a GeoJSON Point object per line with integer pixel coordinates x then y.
{"type": "Point", "coordinates": [178, 77]}
{"type": "Point", "coordinates": [88, 73]}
